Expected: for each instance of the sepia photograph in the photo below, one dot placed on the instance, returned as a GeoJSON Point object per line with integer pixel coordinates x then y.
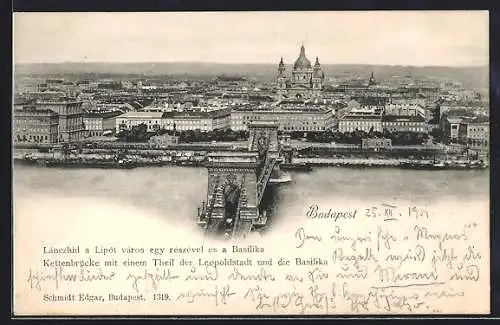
{"type": "Point", "coordinates": [251, 163]}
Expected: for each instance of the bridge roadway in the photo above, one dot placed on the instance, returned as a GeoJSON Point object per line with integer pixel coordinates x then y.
{"type": "Point", "coordinates": [252, 170]}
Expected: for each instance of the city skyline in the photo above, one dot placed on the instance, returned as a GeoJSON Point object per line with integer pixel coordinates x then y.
{"type": "Point", "coordinates": [383, 38]}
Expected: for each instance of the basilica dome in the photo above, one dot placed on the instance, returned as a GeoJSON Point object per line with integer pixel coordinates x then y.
{"type": "Point", "coordinates": [302, 61]}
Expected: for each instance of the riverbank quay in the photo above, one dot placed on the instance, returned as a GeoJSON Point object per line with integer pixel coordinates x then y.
{"type": "Point", "coordinates": [391, 163]}
{"type": "Point", "coordinates": [297, 164]}
{"type": "Point", "coordinates": [194, 154]}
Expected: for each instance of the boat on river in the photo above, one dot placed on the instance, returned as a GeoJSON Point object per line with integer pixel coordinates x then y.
{"type": "Point", "coordinates": [443, 165]}
{"type": "Point", "coordinates": [303, 167]}
{"type": "Point", "coordinates": [103, 164]}
{"type": "Point", "coordinates": [27, 159]}
{"type": "Point", "coordinates": [282, 178]}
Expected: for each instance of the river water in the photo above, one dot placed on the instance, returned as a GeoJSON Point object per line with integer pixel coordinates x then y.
{"type": "Point", "coordinates": [173, 194]}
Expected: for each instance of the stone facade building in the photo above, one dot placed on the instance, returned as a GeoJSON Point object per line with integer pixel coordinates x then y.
{"type": "Point", "coordinates": [49, 121]}
{"type": "Point", "coordinates": [70, 112]}
{"type": "Point", "coordinates": [289, 119]}
{"type": "Point", "coordinates": [32, 125]}
{"type": "Point", "coordinates": [306, 80]}
{"type": "Point", "coordinates": [96, 123]}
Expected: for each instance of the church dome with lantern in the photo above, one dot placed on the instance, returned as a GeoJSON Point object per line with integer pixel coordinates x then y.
{"type": "Point", "coordinates": [302, 61]}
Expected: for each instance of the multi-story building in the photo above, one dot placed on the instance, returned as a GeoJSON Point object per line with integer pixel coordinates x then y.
{"type": "Point", "coordinates": [70, 113]}
{"type": "Point", "coordinates": [48, 95]}
{"type": "Point", "coordinates": [376, 143]}
{"type": "Point", "coordinates": [153, 120]}
{"type": "Point", "coordinates": [203, 121]}
{"type": "Point", "coordinates": [366, 110]}
{"type": "Point", "coordinates": [290, 119]}
{"type": "Point", "coordinates": [366, 123]}
{"type": "Point", "coordinates": [429, 93]}
{"type": "Point", "coordinates": [26, 87]}
{"type": "Point", "coordinates": [455, 129]}
{"type": "Point", "coordinates": [35, 125]}
{"type": "Point", "coordinates": [405, 109]}
{"type": "Point", "coordinates": [180, 121]}
{"type": "Point", "coordinates": [404, 123]}
{"type": "Point", "coordinates": [96, 123]}
{"type": "Point", "coordinates": [478, 134]}
{"type": "Point", "coordinates": [164, 140]}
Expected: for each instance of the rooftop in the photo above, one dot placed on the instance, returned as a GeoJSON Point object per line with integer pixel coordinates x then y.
{"type": "Point", "coordinates": [142, 115]}
{"type": "Point", "coordinates": [284, 109]}
{"type": "Point", "coordinates": [60, 101]}
{"type": "Point", "coordinates": [399, 118]}
{"type": "Point", "coordinates": [102, 114]}
{"type": "Point", "coordinates": [31, 110]}
{"type": "Point", "coordinates": [478, 119]}
{"type": "Point", "coordinates": [362, 117]}
{"type": "Point", "coordinates": [210, 114]}
{"type": "Point", "coordinates": [263, 124]}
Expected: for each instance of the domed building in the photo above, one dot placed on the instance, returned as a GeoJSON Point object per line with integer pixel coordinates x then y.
{"type": "Point", "coordinates": [306, 80]}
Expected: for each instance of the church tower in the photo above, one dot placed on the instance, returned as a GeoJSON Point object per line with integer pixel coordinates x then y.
{"type": "Point", "coordinates": [317, 78]}
{"type": "Point", "coordinates": [372, 81]}
{"type": "Point", "coordinates": [281, 79]}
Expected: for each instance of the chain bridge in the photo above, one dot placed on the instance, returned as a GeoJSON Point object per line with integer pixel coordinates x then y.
{"type": "Point", "coordinates": [237, 182]}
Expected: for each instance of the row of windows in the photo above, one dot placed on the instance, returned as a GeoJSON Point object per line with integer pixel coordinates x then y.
{"type": "Point", "coordinates": [479, 143]}
{"type": "Point", "coordinates": [93, 122]}
{"type": "Point", "coordinates": [179, 122]}
{"type": "Point", "coordinates": [93, 127]}
{"type": "Point", "coordinates": [360, 124]}
{"type": "Point", "coordinates": [95, 133]}
{"type": "Point", "coordinates": [352, 129]}
{"type": "Point", "coordinates": [36, 129]}
{"type": "Point", "coordinates": [282, 117]}
{"type": "Point", "coordinates": [389, 124]}
{"type": "Point", "coordinates": [34, 125]}
{"type": "Point", "coordinates": [35, 138]}
{"type": "Point", "coordinates": [402, 123]}
{"type": "Point", "coordinates": [413, 129]}
{"type": "Point", "coordinates": [301, 128]}
{"type": "Point", "coordinates": [479, 129]}
{"type": "Point", "coordinates": [37, 119]}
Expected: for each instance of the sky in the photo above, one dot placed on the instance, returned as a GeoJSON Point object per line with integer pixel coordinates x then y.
{"type": "Point", "coordinates": [418, 38]}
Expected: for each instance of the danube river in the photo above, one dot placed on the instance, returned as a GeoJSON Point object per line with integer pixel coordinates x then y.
{"type": "Point", "coordinates": [172, 194]}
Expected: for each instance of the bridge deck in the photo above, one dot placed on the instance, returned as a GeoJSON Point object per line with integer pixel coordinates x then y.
{"type": "Point", "coordinates": [242, 228]}
{"type": "Point", "coordinates": [256, 165]}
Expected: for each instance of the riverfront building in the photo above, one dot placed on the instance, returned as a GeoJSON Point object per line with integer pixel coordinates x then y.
{"type": "Point", "coordinates": [404, 123]}
{"type": "Point", "coordinates": [164, 140]}
{"type": "Point", "coordinates": [70, 113]}
{"type": "Point", "coordinates": [474, 132]}
{"type": "Point", "coordinates": [478, 134]}
{"type": "Point", "coordinates": [49, 121]}
{"type": "Point", "coordinates": [173, 120]}
{"type": "Point", "coordinates": [376, 143]}
{"type": "Point", "coordinates": [203, 121]}
{"type": "Point", "coordinates": [153, 120]}
{"type": "Point", "coordinates": [366, 123]}
{"type": "Point", "coordinates": [289, 119]}
{"type": "Point", "coordinates": [96, 123]}
{"type": "Point", "coordinates": [32, 125]}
